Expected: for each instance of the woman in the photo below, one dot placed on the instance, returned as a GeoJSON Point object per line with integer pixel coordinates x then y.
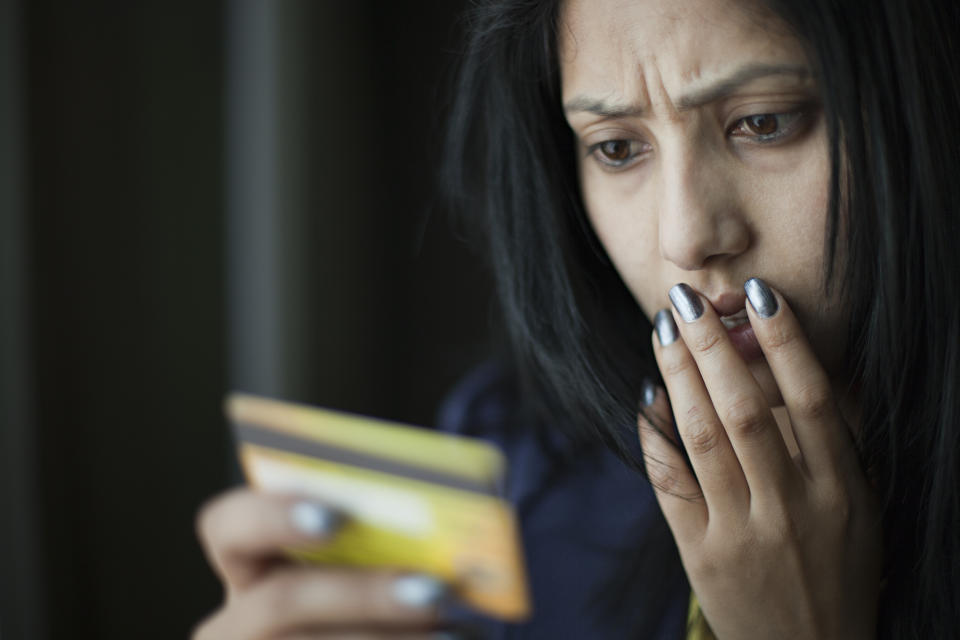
{"type": "Point", "coordinates": [741, 216]}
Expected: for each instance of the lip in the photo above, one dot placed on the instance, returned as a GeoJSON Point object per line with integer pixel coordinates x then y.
{"type": "Point", "coordinates": [735, 320]}
{"type": "Point", "coordinates": [728, 303]}
{"type": "Point", "coordinates": [745, 342]}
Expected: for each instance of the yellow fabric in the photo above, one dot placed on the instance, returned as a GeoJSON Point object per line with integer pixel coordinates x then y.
{"type": "Point", "coordinates": [697, 627]}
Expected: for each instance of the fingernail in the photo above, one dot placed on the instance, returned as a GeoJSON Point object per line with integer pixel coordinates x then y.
{"type": "Point", "coordinates": [418, 590]}
{"type": "Point", "coordinates": [648, 393]}
{"type": "Point", "coordinates": [312, 519]}
{"type": "Point", "coordinates": [761, 298]}
{"type": "Point", "coordinates": [686, 301]}
{"type": "Point", "coordinates": [667, 331]}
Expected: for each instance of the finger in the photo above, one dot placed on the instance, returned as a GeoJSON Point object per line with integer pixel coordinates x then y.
{"type": "Point", "coordinates": [672, 480]}
{"type": "Point", "coordinates": [244, 531]}
{"type": "Point", "coordinates": [737, 398]}
{"type": "Point", "coordinates": [711, 455]}
{"type": "Point", "coordinates": [300, 599]}
{"type": "Point", "coordinates": [655, 410]}
{"type": "Point", "coordinates": [822, 437]}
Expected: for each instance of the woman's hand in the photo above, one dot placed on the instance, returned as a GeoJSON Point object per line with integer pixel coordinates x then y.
{"type": "Point", "coordinates": [774, 546]}
{"type": "Point", "coordinates": [269, 596]}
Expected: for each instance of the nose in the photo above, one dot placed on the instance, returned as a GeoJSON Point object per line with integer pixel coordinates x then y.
{"type": "Point", "coordinates": [701, 219]}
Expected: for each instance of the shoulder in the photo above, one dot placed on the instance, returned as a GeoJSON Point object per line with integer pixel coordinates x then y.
{"type": "Point", "coordinates": [482, 403]}
{"type": "Point", "coordinates": [489, 403]}
{"type": "Point", "coordinates": [581, 510]}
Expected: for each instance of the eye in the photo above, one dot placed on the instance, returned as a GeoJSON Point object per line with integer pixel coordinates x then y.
{"type": "Point", "coordinates": [617, 154]}
{"type": "Point", "coordinates": [615, 150]}
{"type": "Point", "coordinates": [767, 127]}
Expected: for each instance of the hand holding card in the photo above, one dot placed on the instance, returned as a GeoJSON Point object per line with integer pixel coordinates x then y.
{"type": "Point", "coordinates": [413, 499]}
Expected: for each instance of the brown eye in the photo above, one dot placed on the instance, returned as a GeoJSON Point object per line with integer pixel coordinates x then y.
{"type": "Point", "coordinates": [763, 124]}
{"type": "Point", "coordinates": [615, 150]}
{"type": "Point", "coordinates": [619, 153]}
{"type": "Point", "coordinates": [768, 128]}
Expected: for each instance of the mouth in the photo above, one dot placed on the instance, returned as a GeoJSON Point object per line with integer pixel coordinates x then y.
{"type": "Point", "coordinates": [735, 320]}
{"type": "Point", "coordinates": [731, 306]}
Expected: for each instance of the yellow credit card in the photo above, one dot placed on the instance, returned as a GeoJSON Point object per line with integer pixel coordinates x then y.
{"type": "Point", "coordinates": [414, 499]}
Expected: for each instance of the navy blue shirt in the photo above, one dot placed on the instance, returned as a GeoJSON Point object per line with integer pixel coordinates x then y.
{"type": "Point", "coordinates": [578, 518]}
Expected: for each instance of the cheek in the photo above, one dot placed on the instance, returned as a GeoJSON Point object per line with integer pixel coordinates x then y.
{"type": "Point", "coordinates": [788, 210]}
{"type": "Point", "coordinates": [825, 323]}
{"type": "Point", "coordinates": [625, 224]}
{"type": "Point", "coordinates": [791, 253]}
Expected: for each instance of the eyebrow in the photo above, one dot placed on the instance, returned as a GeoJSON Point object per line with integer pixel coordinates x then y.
{"type": "Point", "coordinates": [719, 89]}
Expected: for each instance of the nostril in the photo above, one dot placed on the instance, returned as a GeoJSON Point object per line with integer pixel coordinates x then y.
{"type": "Point", "coordinates": [684, 249]}
{"type": "Point", "coordinates": [691, 244]}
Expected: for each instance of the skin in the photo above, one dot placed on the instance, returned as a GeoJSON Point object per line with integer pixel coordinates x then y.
{"type": "Point", "coordinates": [244, 533]}
{"type": "Point", "coordinates": [776, 523]}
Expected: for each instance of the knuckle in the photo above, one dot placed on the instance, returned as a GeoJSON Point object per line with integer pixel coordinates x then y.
{"type": "Point", "coordinates": [707, 342]}
{"type": "Point", "coordinates": [676, 366]}
{"type": "Point", "coordinates": [780, 338]}
{"type": "Point", "coordinates": [769, 514]}
{"type": "Point", "coordinates": [782, 527]}
{"type": "Point", "coordinates": [706, 566]}
{"type": "Point", "coordinates": [836, 504]}
{"type": "Point", "coordinates": [661, 475]}
{"type": "Point", "coordinates": [652, 426]}
{"type": "Point", "coordinates": [746, 417]}
{"type": "Point", "coordinates": [813, 401]}
{"type": "Point", "coordinates": [211, 516]}
{"type": "Point", "coordinates": [701, 434]}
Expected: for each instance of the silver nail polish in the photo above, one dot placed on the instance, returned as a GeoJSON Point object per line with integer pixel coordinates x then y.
{"type": "Point", "coordinates": [761, 298]}
{"type": "Point", "coordinates": [313, 519]}
{"type": "Point", "coordinates": [686, 301]}
{"type": "Point", "coordinates": [649, 392]}
{"type": "Point", "coordinates": [418, 591]}
{"type": "Point", "coordinates": [667, 332]}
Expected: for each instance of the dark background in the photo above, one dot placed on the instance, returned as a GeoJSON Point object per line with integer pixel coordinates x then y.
{"type": "Point", "coordinates": [197, 197]}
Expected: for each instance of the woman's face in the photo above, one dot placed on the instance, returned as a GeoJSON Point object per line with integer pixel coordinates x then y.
{"type": "Point", "coordinates": [703, 155]}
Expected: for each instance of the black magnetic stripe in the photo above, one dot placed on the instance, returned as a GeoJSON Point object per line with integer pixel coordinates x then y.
{"type": "Point", "coordinates": [257, 435]}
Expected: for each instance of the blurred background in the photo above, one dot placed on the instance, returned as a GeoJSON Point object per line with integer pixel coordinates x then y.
{"type": "Point", "coordinates": [196, 197]}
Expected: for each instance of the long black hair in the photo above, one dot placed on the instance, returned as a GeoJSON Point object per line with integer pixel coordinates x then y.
{"type": "Point", "coordinates": [890, 87]}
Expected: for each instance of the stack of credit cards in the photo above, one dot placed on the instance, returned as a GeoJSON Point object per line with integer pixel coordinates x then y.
{"type": "Point", "coordinates": [414, 499]}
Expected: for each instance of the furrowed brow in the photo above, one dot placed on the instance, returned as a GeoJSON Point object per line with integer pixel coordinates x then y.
{"type": "Point", "coordinates": [699, 97]}
{"type": "Point", "coordinates": [602, 108]}
{"type": "Point", "coordinates": [736, 80]}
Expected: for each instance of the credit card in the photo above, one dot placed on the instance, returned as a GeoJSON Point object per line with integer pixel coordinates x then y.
{"type": "Point", "coordinates": [414, 499]}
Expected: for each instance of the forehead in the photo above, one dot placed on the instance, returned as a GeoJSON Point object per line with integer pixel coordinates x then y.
{"type": "Point", "coordinates": [636, 49]}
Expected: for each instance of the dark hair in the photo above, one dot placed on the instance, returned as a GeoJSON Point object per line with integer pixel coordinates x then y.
{"type": "Point", "coordinates": [891, 93]}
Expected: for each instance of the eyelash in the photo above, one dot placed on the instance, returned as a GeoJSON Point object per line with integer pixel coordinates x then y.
{"type": "Point", "coordinates": [796, 119]}
{"type": "Point", "coordinates": [595, 151]}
